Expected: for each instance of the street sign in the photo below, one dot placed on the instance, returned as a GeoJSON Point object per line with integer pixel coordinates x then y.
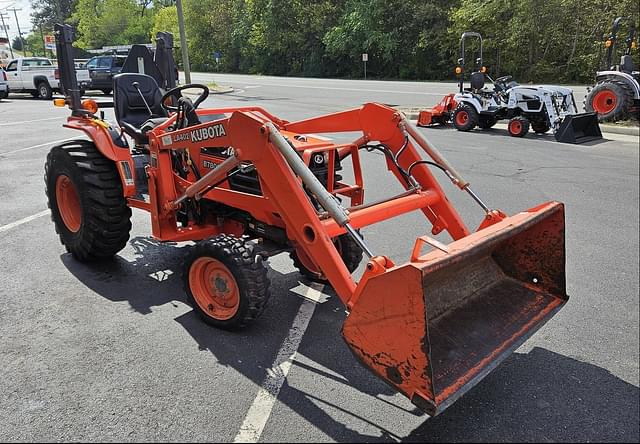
{"type": "Point", "coordinates": [50, 42]}
{"type": "Point", "coordinates": [365, 57]}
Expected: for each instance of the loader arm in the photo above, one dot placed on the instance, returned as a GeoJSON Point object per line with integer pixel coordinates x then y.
{"type": "Point", "coordinates": [432, 327]}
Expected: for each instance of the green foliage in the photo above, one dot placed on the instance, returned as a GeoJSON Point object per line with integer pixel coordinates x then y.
{"type": "Point", "coordinates": [17, 44]}
{"type": "Point", "coordinates": [112, 22]}
{"type": "Point", "coordinates": [533, 40]}
{"type": "Point", "coordinates": [47, 13]}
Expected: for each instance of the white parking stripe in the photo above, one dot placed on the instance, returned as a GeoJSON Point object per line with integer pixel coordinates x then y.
{"type": "Point", "coordinates": [260, 410]}
{"type": "Point", "coordinates": [31, 121]}
{"type": "Point", "coordinates": [34, 146]}
{"type": "Point", "coordinates": [23, 221]}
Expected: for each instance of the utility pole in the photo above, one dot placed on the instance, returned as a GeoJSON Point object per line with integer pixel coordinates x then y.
{"type": "Point", "coordinates": [6, 32]}
{"type": "Point", "coordinates": [15, 13]}
{"type": "Point", "coordinates": [183, 42]}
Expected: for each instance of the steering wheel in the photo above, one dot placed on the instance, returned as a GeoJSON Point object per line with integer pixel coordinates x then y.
{"type": "Point", "coordinates": [504, 79]}
{"type": "Point", "coordinates": [177, 93]}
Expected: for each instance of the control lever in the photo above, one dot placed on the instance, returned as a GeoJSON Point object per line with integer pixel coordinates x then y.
{"type": "Point", "coordinates": [136, 85]}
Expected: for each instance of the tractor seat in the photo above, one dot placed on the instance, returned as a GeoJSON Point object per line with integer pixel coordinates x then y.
{"type": "Point", "coordinates": [131, 112]}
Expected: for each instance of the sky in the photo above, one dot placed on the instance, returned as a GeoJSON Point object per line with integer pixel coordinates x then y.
{"type": "Point", "coordinates": [24, 16]}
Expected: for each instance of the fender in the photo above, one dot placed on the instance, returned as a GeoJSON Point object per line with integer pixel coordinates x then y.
{"type": "Point", "coordinates": [112, 146]}
{"type": "Point", "coordinates": [38, 79]}
{"type": "Point", "coordinates": [469, 99]}
{"type": "Point", "coordinates": [603, 75]}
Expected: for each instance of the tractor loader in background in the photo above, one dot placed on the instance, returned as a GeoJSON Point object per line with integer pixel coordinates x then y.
{"type": "Point", "coordinates": [246, 185]}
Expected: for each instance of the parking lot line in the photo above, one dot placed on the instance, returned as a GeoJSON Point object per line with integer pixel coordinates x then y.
{"type": "Point", "coordinates": [31, 121]}
{"type": "Point", "coordinates": [259, 412]}
{"type": "Point", "coordinates": [34, 146]}
{"type": "Point", "coordinates": [7, 227]}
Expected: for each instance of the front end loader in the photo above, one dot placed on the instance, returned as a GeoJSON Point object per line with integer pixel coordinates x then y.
{"type": "Point", "coordinates": [246, 185]}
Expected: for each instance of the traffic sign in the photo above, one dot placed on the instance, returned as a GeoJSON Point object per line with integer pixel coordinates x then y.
{"type": "Point", "coordinates": [50, 42]}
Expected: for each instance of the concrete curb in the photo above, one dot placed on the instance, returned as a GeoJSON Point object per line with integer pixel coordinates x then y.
{"type": "Point", "coordinates": [221, 90]}
{"type": "Point", "coordinates": [611, 129]}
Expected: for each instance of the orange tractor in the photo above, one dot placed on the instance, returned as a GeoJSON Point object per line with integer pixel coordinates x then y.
{"type": "Point", "coordinates": [246, 185]}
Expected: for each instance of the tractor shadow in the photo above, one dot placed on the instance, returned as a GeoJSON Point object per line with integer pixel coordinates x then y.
{"type": "Point", "coordinates": [546, 137]}
{"type": "Point", "coordinates": [151, 279]}
{"type": "Point", "coordinates": [538, 396]}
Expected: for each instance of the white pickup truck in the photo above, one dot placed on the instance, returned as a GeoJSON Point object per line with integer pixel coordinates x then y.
{"type": "Point", "coordinates": [39, 76]}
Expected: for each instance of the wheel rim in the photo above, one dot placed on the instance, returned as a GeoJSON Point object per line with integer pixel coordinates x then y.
{"type": "Point", "coordinates": [68, 203]}
{"type": "Point", "coordinates": [516, 127]}
{"type": "Point", "coordinates": [43, 91]}
{"type": "Point", "coordinates": [462, 117]}
{"type": "Point", "coordinates": [604, 101]}
{"type": "Point", "coordinates": [214, 288]}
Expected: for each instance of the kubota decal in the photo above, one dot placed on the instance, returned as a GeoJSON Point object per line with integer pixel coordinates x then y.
{"type": "Point", "coordinates": [210, 132]}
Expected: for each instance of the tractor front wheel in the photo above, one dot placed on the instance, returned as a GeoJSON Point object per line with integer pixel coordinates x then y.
{"type": "Point", "coordinates": [465, 117]}
{"type": "Point", "coordinates": [518, 126]}
{"type": "Point", "coordinates": [226, 282]}
{"type": "Point", "coordinates": [86, 200]}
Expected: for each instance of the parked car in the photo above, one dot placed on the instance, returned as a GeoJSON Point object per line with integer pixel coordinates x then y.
{"type": "Point", "coordinates": [102, 69]}
{"type": "Point", "coordinates": [4, 85]}
{"type": "Point", "coordinates": [39, 76]}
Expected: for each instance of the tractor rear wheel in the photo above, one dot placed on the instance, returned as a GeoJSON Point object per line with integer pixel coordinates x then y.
{"type": "Point", "coordinates": [349, 250]}
{"type": "Point", "coordinates": [86, 200]}
{"type": "Point", "coordinates": [610, 99]}
{"type": "Point", "coordinates": [465, 117]}
{"type": "Point", "coordinates": [226, 282]}
{"type": "Point", "coordinates": [518, 126]}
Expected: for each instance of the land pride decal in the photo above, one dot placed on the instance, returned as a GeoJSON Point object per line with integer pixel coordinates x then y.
{"type": "Point", "coordinates": [199, 134]}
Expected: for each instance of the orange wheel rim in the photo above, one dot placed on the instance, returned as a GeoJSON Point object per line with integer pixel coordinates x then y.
{"type": "Point", "coordinates": [68, 203]}
{"type": "Point", "coordinates": [605, 101]}
{"type": "Point", "coordinates": [516, 127]}
{"type": "Point", "coordinates": [214, 288]}
{"type": "Point", "coordinates": [462, 117]}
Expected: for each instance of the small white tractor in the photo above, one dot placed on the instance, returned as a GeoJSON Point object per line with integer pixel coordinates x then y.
{"type": "Point", "coordinates": [541, 108]}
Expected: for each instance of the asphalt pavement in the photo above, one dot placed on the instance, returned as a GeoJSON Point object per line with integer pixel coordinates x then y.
{"type": "Point", "coordinates": [111, 352]}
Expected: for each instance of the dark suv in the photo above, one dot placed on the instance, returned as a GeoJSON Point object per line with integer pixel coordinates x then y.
{"type": "Point", "coordinates": [102, 69]}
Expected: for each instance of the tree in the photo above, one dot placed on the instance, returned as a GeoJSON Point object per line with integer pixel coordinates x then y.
{"type": "Point", "coordinates": [47, 13]}
{"type": "Point", "coordinates": [111, 22]}
{"type": "Point", "coordinates": [17, 44]}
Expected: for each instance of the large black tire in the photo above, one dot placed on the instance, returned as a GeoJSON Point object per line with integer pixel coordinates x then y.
{"type": "Point", "coordinates": [226, 266]}
{"type": "Point", "coordinates": [465, 117]}
{"type": "Point", "coordinates": [540, 126]}
{"type": "Point", "coordinates": [99, 227]}
{"type": "Point", "coordinates": [486, 122]}
{"type": "Point", "coordinates": [518, 126]}
{"type": "Point", "coordinates": [611, 99]}
{"type": "Point", "coordinates": [349, 250]}
{"type": "Point", "coordinates": [44, 91]}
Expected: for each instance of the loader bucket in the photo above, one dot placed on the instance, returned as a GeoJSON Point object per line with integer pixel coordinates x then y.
{"type": "Point", "coordinates": [579, 128]}
{"type": "Point", "coordinates": [434, 327]}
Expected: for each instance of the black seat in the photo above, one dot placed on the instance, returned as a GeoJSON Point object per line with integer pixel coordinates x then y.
{"type": "Point", "coordinates": [131, 112]}
{"type": "Point", "coordinates": [626, 64]}
{"type": "Point", "coordinates": [477, 81]}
